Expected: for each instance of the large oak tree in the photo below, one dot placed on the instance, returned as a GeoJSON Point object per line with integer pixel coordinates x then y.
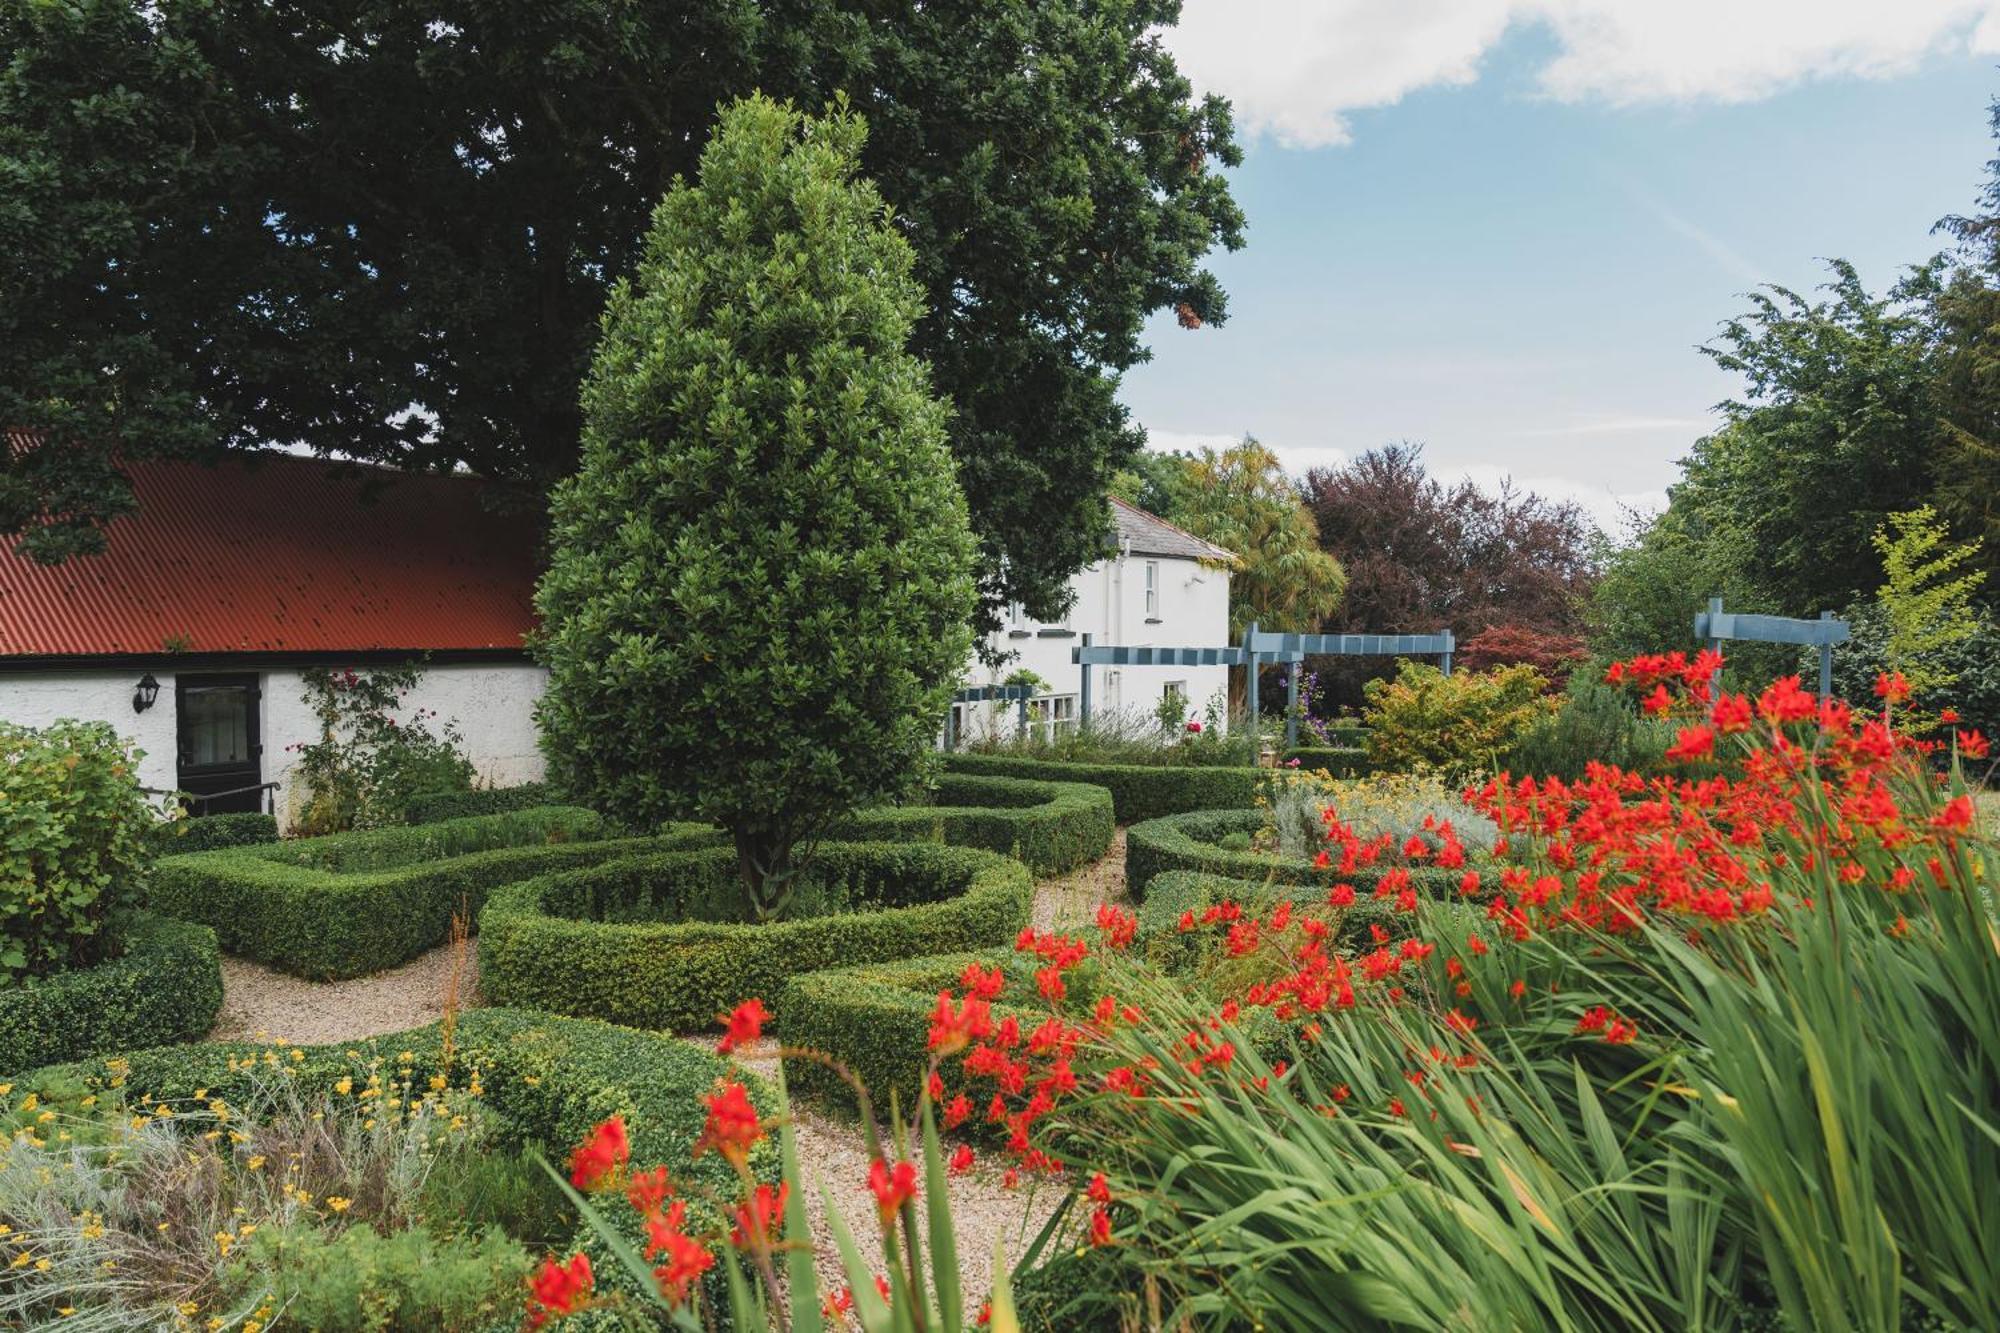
{"type": "Point", "coordinates": [385, 230]}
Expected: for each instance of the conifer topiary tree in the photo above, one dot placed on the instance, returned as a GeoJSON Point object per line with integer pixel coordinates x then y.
{"type": "Point", "coordinates": [760, 580]}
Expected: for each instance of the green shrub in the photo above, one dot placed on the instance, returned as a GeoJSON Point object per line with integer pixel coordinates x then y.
{"type": "Point", "coordinates": [1595, 723]}
{"type": "Point", "coordinates": [438, 806]}
{"type": "Point", "coordinates": [164, 986]}
{"type": "Point", "coordinates": [355, 903]}
{"type": "Point", "coordinates": [357, 1280]}
{"type": "Point", "coordinates": [73, 843]}
{"type": "Point", "coordinates": [372, 757]}
{"type": "Point", "coordinates": [1341, 762]}
{"type": "Point", "coordinates": [206, 833]}
{"type": "Point", "coordinates": [1138, 791]}
{"type": "Point", "coordinates": [1053, 827]}
{"type": "Point", "coordinates": [1458, 725]}
{"type": "Point", "coordinates": [1190, 842]}
{"type": "Point", "coordinates": [760, 587]}
{"type": "Point", "coordinates": [663, 940]}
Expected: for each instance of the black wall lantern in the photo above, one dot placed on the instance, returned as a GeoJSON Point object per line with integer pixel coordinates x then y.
{"type": "Point", "coordinates": [148, 691]}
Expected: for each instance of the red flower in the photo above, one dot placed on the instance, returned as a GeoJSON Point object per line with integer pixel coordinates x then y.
{"type": "Point", "coordinates": [648, 1191]}
{"type": "Point", "coordinates": [1732, 714]}
{"type": "Point", "coordinates": [1658, 703]}
{"type": "Point", "coordinates": [977, 980]}
{"type": "Point", "coordinates": [760, 1218]}
{"type": "Point", "coordinates": [961, 1160]}
{"type": "Point", "coordinates": [598, 1158]}
{"type": "Point", "coordinates": [1340, 895]}
{"type": "Point", "coordinates": [1119, 926]}
{"type": "Point", "coordinates": [1972, 745]}
{"type": "Point", "coordinates": [892, 1187]}
{"type": "Point", "coordinates": [745, 1023]}
{"type": "Point", "coordinates": [958, 1112]}
{"type": "Point", "coordinates": [1956, 817]}
{"type": "Point", "coordinates": [559, 1289]}
{"type": "Point", "coordinates": [1692, 743]}
{"type": "Point", "coordinates": [1100, 1189]}
{"type": "Point", "coordinates": [732, 1128]}
{"type": "Point", "coordinates": [1100, 1227]}
{"type": "Point", "coordinates": [1948, 716]}
{"type": "Point", "coordinates": [687, 1260]}
{"type": "Point", "coordinates": [953, 1029]}
{"type": "Point", "coordinates": [1890, 687]}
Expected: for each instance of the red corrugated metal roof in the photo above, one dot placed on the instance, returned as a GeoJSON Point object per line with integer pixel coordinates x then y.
{"type": "Point", "coordinates": [281, 554]}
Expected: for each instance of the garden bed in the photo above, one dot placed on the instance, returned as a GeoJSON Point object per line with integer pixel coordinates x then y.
{"type": "Point", "coordinates": [1192, 842]}
{"type": "Point", "coordinates": [1053, 827]}
{"type": "Point", "coordinates": [1337, 761]}
{"type": "Point", "coordinates": [165, 986]}
{"type": "Point", "coordinates": [1138, 791]}
{"type": "Point", "coordinates": [353, 903]}
{"type": "Point", "coordinates": [662, 940]}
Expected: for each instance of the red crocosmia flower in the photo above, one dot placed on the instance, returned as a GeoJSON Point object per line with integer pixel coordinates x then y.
{"type": "Point", "coordinates": [1732, 714]}
{"type": "Point", "coordinates": [986, 984]}
{"type": "Point", "coordinates": [839, 1303]}
{"type": "Point", "coordinates": [1900, 927]}
{"type": "Point", "coordinates": [955, 1028]}
{"type": "Point", "coordinates": [1100, 1227]}
{"type": "Point", "coordinates": [598, 1157]}
{"type": "Point", "coordinates": [891, 1186]}
{"type": "Point", "coordinates": [1948, 716]}
{"type": "Point", "coordinates": [1119, 926]}
{"type": "Point", "coordinates": [961, 1160]}
{"type": "Point", "coordinates": [1657, 704]}
{"type": "Point", "coordinates": [559, 1289]}
{"type": "Point", "coordinates": [687, 1260]}
{"type": "Point", "coordinates": [958, 1112]}
{"type": "Point", "coordinates": [1100, 1189]}
{"type": "Point", "coordinates": [1186, 922]}
{"type": "Point", "coordinates": [1010, 1178]}
{"type": "Point", "coordinates": [1972, 745]}
{"type": "Point", "coordinates": [745, 1024]}
{"type": "Point", "coordinates": [1323, 860]}
{"type": "Point", "coordinates": [760, 1218]}
{"type": "Point", "coordinates": [648, 1191]}
{"type": "Point", "coordinates": [1692, 743]}
{"type": "Point", "coordinates": [1891, 687]}
{"type": "Point", "coordinates": [732, 1128]}
{"type": "Point", "coordinates": [1956, 817]}
{"type": "Point", "coordinates": [1340, 895]}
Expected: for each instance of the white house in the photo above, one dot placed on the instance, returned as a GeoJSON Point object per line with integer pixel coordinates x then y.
{"type": "Point", "coordinates": [190, 631]}
{"type": "Point", "coordinates": [1159, 586]}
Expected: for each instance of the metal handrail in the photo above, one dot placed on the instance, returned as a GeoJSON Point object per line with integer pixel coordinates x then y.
{"type": "Point", "coordinates": [205, 797]}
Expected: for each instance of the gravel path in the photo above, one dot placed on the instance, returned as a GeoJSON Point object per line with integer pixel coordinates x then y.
{"type": "Point", "coordinates": [259, 1003]}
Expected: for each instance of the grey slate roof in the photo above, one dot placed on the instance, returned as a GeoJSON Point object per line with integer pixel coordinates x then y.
{"type": "Point", "coordinates": [1142, 533]}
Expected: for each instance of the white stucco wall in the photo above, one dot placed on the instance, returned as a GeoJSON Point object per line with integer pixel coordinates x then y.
{"type": "Point", "coordinates": [491, 704]}
{"type": "Point", "coordinates": [1192, 612]}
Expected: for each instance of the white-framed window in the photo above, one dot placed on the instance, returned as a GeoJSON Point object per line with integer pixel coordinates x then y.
{"type": "Point", "coordinates": [1176, 689]}
{"type": "Point", "coordinates": [1152, 590]}
{"type": "Point", "coordinates": [1052, 715]}
{"type": "Point", "coordinates": [1017, 616]}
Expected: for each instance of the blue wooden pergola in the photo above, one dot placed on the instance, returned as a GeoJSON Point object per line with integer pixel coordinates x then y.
{"type": "Point", "coordinates": [972, 694]}
{"type": "Point", "coordinates": [1717, 625]}
{"type": "Point", "coordinates": [1260, 648]}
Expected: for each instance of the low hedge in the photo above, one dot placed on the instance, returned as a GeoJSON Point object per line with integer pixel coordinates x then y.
{"type": "Point", "coordinates": [660, 941]}
{"type": "Point", "coordinates": [353, 903]}
{"type": "Point", "coordinates": [1138, 791]}
{"type": "Point", "coordinates": [439, 806]}
{"type": "Point", "coordinates": [551, 1079]}
{"type": "Point", "coordinates": [1053, 827]}
{"type": "Point", "coordinates": [205, 833]}
{"type": "Point", "coordinates": [1342, 762]}
{"type": "Point", "coordinates": [1188, 842]}
{"type": "Point", "coordinates": [166, 986]}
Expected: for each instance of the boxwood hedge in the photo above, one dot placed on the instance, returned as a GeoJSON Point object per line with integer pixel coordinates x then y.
{"type": "Point", "coordinates": [1052, 826]}
{"type": "Point", "coordinates": [1340, 762]}
{"type": "Point", "coordinates": [354, 903]}
{"type": "Point", "coordinates": [165, 986]}
{"type": "Point", "coordinates": [1138, 791]}
{"type": "Point", "coordinates": [205, 833]}
{"type": "Point", "coordinates": [660, 940]}
{"type": "Point", "coordinates": [551, 1079]}
{"type": "Point", "coordinates": [1189, 842]}
{"type": "Point", "coordinates": [444, 805]}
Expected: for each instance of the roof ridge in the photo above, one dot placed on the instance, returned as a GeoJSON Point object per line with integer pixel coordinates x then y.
{"type": "Point", "coordinates": [1173, 526]}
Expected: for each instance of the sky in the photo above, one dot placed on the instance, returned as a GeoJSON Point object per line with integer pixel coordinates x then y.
{"type": "Point", "coordinates": [1501, 228]}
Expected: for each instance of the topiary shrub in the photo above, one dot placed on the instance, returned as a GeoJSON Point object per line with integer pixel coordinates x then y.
{"type": "Point", "coordinates": [205, 833]}
{"type": "Point", "coordinates": [435, 807]}
{"type": "Point", "coordinates": [354, 903]}
{"type": "Point", "coordinates": [1191, 842]}
{"type": "Point", "coordinates": [164, 986]}
{"type": "Point", "coordinates": [664, 940]}
{"type": "Point", "coordinates": [1138, 791]}
{"type": "Point", "coordinates": [1053, 827]}
{"type": "Point", "coordinates": [760, 582]}
{"type": "Point", "coordinates": [74, 848]}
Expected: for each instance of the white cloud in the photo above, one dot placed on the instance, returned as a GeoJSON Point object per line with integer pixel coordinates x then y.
{"type": "Point", "coordinates": [1629, 424]}
{"type": "Point", "coordinates": [1609, 509]}
{"type": "Point", "coordinates": [1296, 69]}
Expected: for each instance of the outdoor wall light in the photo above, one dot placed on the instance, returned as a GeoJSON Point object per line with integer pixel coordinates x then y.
{"type": "Point", "coordinates": [148, 691]}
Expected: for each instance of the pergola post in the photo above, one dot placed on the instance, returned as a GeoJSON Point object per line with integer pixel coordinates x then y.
{"type": "Point", "coordinates": [1083, 693]}
{"type": "Point", "coordinates": [1250, 677]}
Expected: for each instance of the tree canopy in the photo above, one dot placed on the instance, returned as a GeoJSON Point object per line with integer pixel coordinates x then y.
{"type": "Point", "coordinates": [1240, 499]}
{"type": "Point", "coordinates": [758, 598]}
{"type": "Point", "coordinates": [385, 231]}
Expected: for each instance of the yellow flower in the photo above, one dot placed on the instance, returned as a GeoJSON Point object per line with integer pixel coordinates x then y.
{"type": "Point", "coordinates": [66, 1310]}
{"type": "Point", "coordinates": [189, 1308]}
{"type": "Point", "coordinates": [43, 1265]}
{"type": "Point", "coordinates": [6, 1088]}
{"type": "Point", "coordinates": [345, 1086]}
{"type": "Point", "coordinates": [22, 1260]}
{"type": "Point", "coordinates": [337, 1203]}
{"type": "Point", "coordinates": [30, 1102]}
{"type": "Point", "coordinates": [256, 1163]}
{"type": "Point", "coordinates": [224, 1240]}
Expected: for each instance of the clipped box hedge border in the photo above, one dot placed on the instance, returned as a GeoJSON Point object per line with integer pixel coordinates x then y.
{"type": "Point", "coordinates": [165, 987]}
{"type": "Point", "coordinates": [1138, 791]}
{"type": "Point", "coordinates": [1188, 842]}
{"type": "Point", "coordinates": [279, 904]}
{"type": "Point", "coordinates": [1053, 827]}
{"type": "Point", "coordinates": [1339, 762]}
{"type": "Point", "coordinates": [440, 806]}
{"type": "Point", "coordinates": [205, 833]}
{"type": "Point", "coordinates": [680, 974]}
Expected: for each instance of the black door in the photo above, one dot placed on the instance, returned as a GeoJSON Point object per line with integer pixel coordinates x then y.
{"type": "Point", "coordinates": [221, 749]}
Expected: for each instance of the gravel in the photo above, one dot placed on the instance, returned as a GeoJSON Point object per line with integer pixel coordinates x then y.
{"type": "Point", "coordinates": [259, 1003]}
